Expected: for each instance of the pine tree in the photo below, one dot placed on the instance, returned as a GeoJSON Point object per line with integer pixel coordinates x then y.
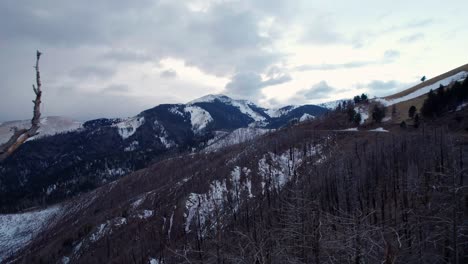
{"type": "Point", "coordinates": [416, 121]}
{"type": "Point", "coordinates": [357, 118]}
{"type": "Point", "coordinates": [378, 113]}
{"type": "Point", "coordinates": [412, 111]}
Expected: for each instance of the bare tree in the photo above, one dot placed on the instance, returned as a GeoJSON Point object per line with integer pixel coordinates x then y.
{"type": "Point", "coordinates": [21, 135]}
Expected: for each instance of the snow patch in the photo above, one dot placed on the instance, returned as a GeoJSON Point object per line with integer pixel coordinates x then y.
{"type": "Point", "coordinates": [237, 136]}
{"type": "Point", "coordinates": [175, 111]}
{"type": "Point", "coordinates": [133, 146]}
{"type": "Point", "coordinates": [154, 261]}
{"type": "Point", "coordinates": [145, 214]}
{"type": "Point", "coordinates": [163, 135]}
{"type": "Point", "coordinates": [364, 111]}
{"type": "Point", "coordinates": [306, 117]}
{"type": "Point", "coordinates": [199, 118]}
{"type": "Point", "coordinates": [332, 105]}
{"type": "Point", "coordinates": [379, 129]}
{"type": "Point", "coordinates": [350, 129]}
{"type": "Point", "coordinates": [17, 230]}
{"type": "Point", "coordinates": [129, 126]}
{"type": "Point", "coordinates": [275, 113]}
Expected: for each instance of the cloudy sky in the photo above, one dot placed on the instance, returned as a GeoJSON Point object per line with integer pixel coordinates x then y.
{"type": "Point", "coordinates": [112, 58]}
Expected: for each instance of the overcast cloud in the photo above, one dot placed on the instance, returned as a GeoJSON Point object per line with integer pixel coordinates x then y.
{"type": "Point", "coordinates": [112, 58]}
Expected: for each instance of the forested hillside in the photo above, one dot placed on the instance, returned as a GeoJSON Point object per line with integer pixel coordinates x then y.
{"type": "Point", "coordinates": [298, 195]}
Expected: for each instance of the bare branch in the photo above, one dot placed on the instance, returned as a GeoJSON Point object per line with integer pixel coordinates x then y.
{"type": "Point", "coordinates": [20, 136]}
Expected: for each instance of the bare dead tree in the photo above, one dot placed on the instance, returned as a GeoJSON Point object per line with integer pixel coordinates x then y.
{"type": "Point", "coordinates": [21, 135]}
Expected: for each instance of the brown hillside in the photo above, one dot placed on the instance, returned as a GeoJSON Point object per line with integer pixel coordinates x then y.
{"type": "Point", "coordinates": [428, 82]}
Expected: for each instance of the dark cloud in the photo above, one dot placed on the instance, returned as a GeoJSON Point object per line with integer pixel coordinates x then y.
{"type": "Point", "coordinates": [90, 40]}
{"type": "Point", "coordinates": [168, 74]}
{"type": "Point", "coordinates": [320, 90]}
{"type": "Point", "coordinates": [249, 84]}
{"type": "Point", "coordinates": [317, 91]}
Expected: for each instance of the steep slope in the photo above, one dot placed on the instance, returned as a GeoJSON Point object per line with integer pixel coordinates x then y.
{"type": "Point", "coordinates": [50, 169]}
{"type": "Point", "coordinates": [400, 102]}
{"type": "Point", "coordinates": [293, 195]}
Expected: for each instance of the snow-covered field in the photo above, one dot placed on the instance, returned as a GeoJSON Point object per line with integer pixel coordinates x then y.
{"type": "Point", "coordinates": [17, 230]}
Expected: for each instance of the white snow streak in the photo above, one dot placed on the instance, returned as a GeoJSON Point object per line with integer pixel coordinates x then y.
{"type": "Point", "coordinates": [424, 90]}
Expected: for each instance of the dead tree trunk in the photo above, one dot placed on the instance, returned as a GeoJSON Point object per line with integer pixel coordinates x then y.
{"type": "Point", "coordinates": [21, 135]}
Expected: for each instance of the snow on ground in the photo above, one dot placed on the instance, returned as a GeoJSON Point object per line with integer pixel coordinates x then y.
{"type": "Point", "coordinates": [236, 137]}
{"type": "Point", "coordinates": [163, 135]}
{"type": "Point", "coordinates": [379, 129]}
{"type": "Point", "coordinates": [211, 98]}
{"type": "Point", "coordinates": [153, 261]}
{"type": "Point", "coordinates": [277, 170]}
{"type": "Point", "coordinates": [145, 214]}
{"type": "Point", "coordinates": [306, 117]}
{"type": "Point", "coordinates": [200, 207]}
{"type": "Point", "coordinates": [332, 105]}
{"type": "Point", "coordinates": [424, 90]}
{"type": "Point", "coordinates": [129, 126]}
{"type": "Point", "coordinates": [350, 129]}
{"type": "Point", "coordinates": [98, 233]}
{"type": "Point", "coordinates": [175, 111]}
{"type": "Point", "coordinates": [460, 107]}
{"type": "Point", "coordinates": [17, 230]}
{"type": "Point", "coordinates": [199, 118]}
{"type": "Point", "coordinates": [364, 111]}
{"type": "Point", "coordinates": [203, 209]}
{"type": "Point", "coordinates": [242, 105]}
{"type": "Point", "coordinates": [274, 113]}
{"type": "Point", "coordinates": [133, 146]}
{"type": "Point", "coordinates": [48, 126]}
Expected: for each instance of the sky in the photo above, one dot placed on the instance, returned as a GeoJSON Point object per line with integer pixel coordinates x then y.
{"type": "Point", "coordinates": [116, 58]}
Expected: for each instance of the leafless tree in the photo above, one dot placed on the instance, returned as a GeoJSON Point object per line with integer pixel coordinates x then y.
{"type": "Point", "coordinates": [21, 135]}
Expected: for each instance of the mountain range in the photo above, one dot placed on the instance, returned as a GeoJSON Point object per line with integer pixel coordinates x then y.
{"type": "Point", "coordinates": [219, 180]}
{"type": "Point", "coordinates": [69, 157]}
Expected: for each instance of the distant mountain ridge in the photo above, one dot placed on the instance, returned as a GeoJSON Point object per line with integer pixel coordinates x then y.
{"type": "Point", "coordinates": [83, 157]}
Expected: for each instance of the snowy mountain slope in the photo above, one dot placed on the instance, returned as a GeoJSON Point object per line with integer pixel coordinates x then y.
{"type": "Point", "coordinates": [245, 107]}
{"type": "Point", "coordinates": [106, 149]}
{"type": "Point", "coordinates": [18, 230]}
{"type": "Point", "coordinates": [275, 113]}
{"type": "Point", "coordinates": [199, 118]}
{"type": "Point", "coordinates": [179, 201]}
{"type": "Point", "coordinates": [237, 136]}
{"type": "Point", "coordinates": [49, 126]}
{"type": "Point", "coordinates": [332, 104]}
